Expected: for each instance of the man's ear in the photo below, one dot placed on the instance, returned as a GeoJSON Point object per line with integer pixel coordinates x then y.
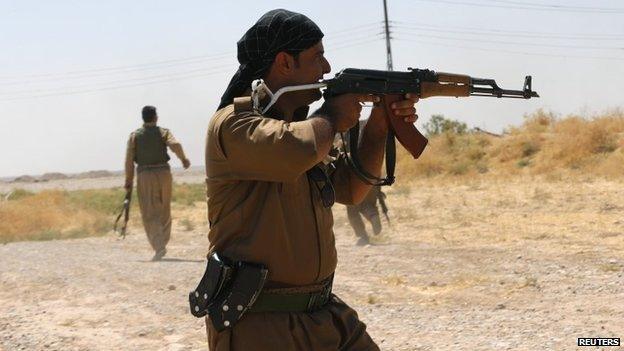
{"type": "Point", "coordinates": [284, 63]}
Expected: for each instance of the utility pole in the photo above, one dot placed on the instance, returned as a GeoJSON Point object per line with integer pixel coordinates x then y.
{"type": "Point", "coordinates": [388, 49]}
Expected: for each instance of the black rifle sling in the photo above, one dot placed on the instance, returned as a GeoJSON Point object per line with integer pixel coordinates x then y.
{"type": "Point", "coordinates": [354, 161]}
{"type": "Point", "coordinates": [390, 157]}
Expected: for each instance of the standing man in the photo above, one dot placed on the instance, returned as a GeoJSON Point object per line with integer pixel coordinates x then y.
{"type": "Point", "coordinates": [270, 195]}
{"type": "Point", "coordinates": [147, 147]}
{"type": "Point", "coordinates": [367, 209]}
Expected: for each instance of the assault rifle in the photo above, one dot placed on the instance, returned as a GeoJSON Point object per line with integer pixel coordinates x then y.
{"type": "Point", "coordinates": [124, 211]}
{"type": "Point", "coordinates": [392, 86]}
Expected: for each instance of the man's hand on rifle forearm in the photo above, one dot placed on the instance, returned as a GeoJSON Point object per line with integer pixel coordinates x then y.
{"type": "Point", "coordinates": [372, 144]}
{"type": "Point", "coordinates": [337, 115]}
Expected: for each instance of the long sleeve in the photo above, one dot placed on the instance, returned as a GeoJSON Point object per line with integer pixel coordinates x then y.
{"type": "Point", "coordinates": [266, 149]}
{"type": "Point", "coordinates": [173, 144]}
{"type": "Point", "coordinates": [341, 179]}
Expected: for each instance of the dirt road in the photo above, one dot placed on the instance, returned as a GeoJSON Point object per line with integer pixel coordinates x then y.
{"type": "Point", "coordinates": [486, 266]}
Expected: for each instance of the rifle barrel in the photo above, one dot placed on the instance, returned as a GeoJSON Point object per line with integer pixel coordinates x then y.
{"type": "Point", "coordinates": [502, 93]}
{"type": "Point", "coordinates": [488, 87]}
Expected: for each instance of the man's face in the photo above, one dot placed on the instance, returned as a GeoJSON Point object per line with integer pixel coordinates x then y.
{"type": "Point", "coordinates": [310, 67]}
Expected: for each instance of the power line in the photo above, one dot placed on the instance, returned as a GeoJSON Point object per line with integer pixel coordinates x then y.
{"type": "Point", "coordinates": [577, 47]}
{"type": "Point", "coordinates": [360, 28]}
{"type": "Point", "coordinates": [476, 31]}
{"type": "Point", "coordinates": [549, 9]}
{"type": "Point", "coordinates": [122, 81]}
{"type": "Point", "coordinates": [100, 71]}
{"type": "Point", "coordinates": [508, 31]}
{"type": "Point", "coordinates": [150, 80]}
{"type": "Point", "coordinates": [362, 42]}
{"type": "Point", "coordinates": [64, 93]}
{"type": "Point", "coordinates": [565, 7]}
{"type": "Point", "coordinates": [370, 33]}
{"type": "Point", "coordinates": [376, 23]}
{"type": "Point", "coordinates": [45, 80]}
{"type": "Point", "coordinates": [183, 62]}
{"type": "Point", "coordinates": [511, 51]}
{"type": "Point", "coordinates": [369, 36]}
{"type": "Point", "coordinates": [124, 67]}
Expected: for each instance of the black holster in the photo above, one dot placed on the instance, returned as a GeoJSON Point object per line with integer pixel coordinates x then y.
{"type": "Point", "coordinates": [227, 290]}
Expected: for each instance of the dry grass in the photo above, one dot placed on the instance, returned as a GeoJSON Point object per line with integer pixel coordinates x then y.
{"type": "Point", "coordinates": [55, 214]}
{"type": "Point", "coordinates": [187, 224]}
{"type": "Point", "coordinates": [544, 145]}
{"type": "Point", "coordinates": [189, 194]}
{"type": "Point", "coordinates": [49, 215]}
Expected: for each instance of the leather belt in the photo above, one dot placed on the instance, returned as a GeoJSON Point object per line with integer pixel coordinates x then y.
{"type": "Point", "coordinates": [282, 300]}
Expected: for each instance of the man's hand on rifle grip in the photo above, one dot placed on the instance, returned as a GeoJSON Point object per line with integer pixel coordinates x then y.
{"type": "Point", "coordinates": [405, 108]}
{"type": "Point", "coordinates": [401, 108]}
{"type": "Point", "coordinates": [345, 109]}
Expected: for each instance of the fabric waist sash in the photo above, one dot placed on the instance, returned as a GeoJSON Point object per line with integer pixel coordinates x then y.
{"type": "Point", "coordinates": [156, 167]}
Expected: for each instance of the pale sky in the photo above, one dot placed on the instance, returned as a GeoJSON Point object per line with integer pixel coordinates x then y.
{"type": "Point", "coordinates": [75, 74]}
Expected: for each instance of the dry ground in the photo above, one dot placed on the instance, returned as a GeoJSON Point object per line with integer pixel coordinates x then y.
{"type": "Point", "coordinates": [489, 265]}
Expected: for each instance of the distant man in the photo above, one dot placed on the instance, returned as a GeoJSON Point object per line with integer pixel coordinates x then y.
{"type": "Point", "coordinates": [367, 209]}
{"type": "Point", "coordinates": [147, 147]}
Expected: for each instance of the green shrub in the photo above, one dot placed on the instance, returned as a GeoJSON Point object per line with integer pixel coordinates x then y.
{"type": "Point", "coordinates": [438, 124]}
{"type": "Point", "coordinates": [18, 194]}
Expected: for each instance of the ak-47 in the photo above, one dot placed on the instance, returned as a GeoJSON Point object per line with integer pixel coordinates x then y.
{"type": "Point", "coordinates": [422, 82]}
{"type": "Point", "coordinates": [392, 86]}
{"type": "Point", "coordinates": [124, 211]}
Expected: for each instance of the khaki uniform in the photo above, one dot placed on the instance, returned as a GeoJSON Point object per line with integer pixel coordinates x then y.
{"type": "Point", "coordinates": [154, 185]}
{"type": "Point", "coordinates": [262, 208]}
{"type": "Point", "coordinates": [368, 209]}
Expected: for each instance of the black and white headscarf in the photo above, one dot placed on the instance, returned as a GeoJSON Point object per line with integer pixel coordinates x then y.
{"type": "Point", "coordinates": [276, 31]}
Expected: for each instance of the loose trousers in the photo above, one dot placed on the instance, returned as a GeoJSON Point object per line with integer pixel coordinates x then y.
{"type": "Point", "coordinates": [334, 327]}
{"type": "Point", "coordinates": [154, 193]}
{"type": "Point", "coordinates": [368, 208]}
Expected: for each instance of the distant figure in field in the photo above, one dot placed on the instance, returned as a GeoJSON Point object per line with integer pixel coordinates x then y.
{"type": "Point", "coordinates": [367, 209]}
{"type": "Point", "coordinates": [147, 147]}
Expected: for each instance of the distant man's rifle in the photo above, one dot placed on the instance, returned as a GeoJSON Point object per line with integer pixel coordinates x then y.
{"type": "Point", "coordinates": [392, 86]}
{"type": "Point", "coordinates": [125, 212]}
